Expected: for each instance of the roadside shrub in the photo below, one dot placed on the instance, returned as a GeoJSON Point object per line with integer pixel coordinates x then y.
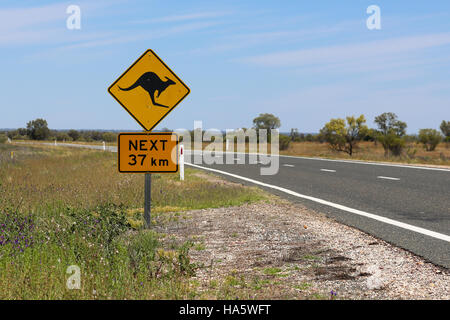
{"type": "Point", "coordinates": [142, 252]}
{"type": "Point", "coordinates": [284, 142]}
{"type": "Point", "coordinates": [110, 137]}
{"type": "Point", "coordinates": [344, 135]}
{"type": "Point", "coordinates": [430, 138]}
{"type": "Point", "coordinates": [392, 144]}
{"type": "Point", "coordinates": [3, 138]}
{"type": "Point", "coordinates": [17, 231]}
{"type": "Point", "coordinates": [148, 257]}
{"type": "Point", "coordinates": [445, 128]}
{"type": "Point", "coordinates": [391, 132]}
{"type": "Point", "coordinates": [101, 225]}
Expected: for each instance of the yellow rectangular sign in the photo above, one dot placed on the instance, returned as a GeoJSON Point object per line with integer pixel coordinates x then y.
{"type": "Point", "coordinates": [148, 152]}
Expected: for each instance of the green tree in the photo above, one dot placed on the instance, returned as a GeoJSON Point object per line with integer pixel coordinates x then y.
{"type": "Point", "coordinates": [294, 135]}
{"type": "Point", "coordinates": [38, 129]}
{"type": "Point", "coordinates": [430, 138]}
{"type": "Point", "coordinates": [109, 137]}
{"type": "Point", "coordinates": [284, 142]}
{"type": "Point", "coordinates": [445, 128]}
{"type": "Point", "coordinates": [268, 122]}
{"type": "Point", "coordinates": [74, 134]}
{"type": "Point", "coordinates": [62, 136]}
{"type": "Point", "coordinates": [390, 133]}
{"type": "Point", "coordinates": [344, 135]}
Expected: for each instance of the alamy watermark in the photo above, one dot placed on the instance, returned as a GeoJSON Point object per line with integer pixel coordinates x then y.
{"type": "Point", "coordinates": [374, 21]}
{"type": "Point", "coordinates": [74, 280]}
{"type": "Point", "coordinates": [234, 146]}
{"type": "Point", "coordinates": [73, 22]}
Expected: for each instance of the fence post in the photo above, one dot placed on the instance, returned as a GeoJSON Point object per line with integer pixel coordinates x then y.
{"type": "Point", "coordinates": [181, 162]}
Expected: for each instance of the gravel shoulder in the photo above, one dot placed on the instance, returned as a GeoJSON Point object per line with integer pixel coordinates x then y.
{"type": "Point", "coordinates": [281, 250]}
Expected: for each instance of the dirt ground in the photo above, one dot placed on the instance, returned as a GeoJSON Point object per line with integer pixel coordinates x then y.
{"type": "Point", "coordinates": [280, 250]}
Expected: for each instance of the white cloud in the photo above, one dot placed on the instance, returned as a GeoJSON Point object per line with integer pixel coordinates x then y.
{"type": "Point", "coordinates": [44, 24]}
{"type": "Point", "coordinates": [155, 34]}
{"type": "Point", "coordinates": [185, 17]}
{"type": "Point", "coordinates": [353, 53]}
{"type": "Point", "coordinates": [14, 19]}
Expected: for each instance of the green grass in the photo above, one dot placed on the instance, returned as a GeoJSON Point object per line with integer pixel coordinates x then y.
{"type": "Point", "coordinates": [61, 207]}
{"type": "Point", "coordinates": [272, 271]}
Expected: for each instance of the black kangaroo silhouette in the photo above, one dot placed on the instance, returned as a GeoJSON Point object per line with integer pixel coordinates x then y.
{"type": "Point", "coordinates": [150, 82]}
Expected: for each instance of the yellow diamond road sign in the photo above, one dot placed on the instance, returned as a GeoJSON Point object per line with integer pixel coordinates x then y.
{"type": "Point", "coordinates": [149, 90]}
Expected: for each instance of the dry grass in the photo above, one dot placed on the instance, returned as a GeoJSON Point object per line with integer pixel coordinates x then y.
{"type": "Point", "coordinates": [66, 206]}
{"type": "Point", "coordinates": [414, 153]}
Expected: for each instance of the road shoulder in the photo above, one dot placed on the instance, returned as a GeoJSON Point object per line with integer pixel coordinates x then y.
{"type": "Point", "coordinates": [282, 250]}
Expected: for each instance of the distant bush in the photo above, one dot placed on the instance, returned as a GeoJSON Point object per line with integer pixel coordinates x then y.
{"type": "Point", "coordinates": [38, 129]}
{"type": "Point", "coordinates": [62, 136]}
{"type": "Point", "coordinates": [284, 142]}
{"type": "Point", "coordinates": [19, 134]}
{"type": "Point", "coordinates": [74, 134]}
{"type": "Point", "coordinates": [391, 132]}
{"type": "Point", "coordinates": [344, 135]}
{"type": "Point", "coordinates": [3, 138]}
{"type": "Point", "coordinates": [445, 128]}
{"type": "Point", "coordinates": [430, 138]}
{"type": "Point", "coordinates": [392, 144]}
{"type": "Point", "coordinates": [109, 137]}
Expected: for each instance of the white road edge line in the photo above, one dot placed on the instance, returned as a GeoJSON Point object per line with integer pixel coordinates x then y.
{"type": "Point", "coordinates": [396, 223]}
{"type": "Point", "coordinates": [327, 170]}
{"type": "Point", "coordinates": [288, 165]}
{"type": "Point", "coordinates": [388, 178]}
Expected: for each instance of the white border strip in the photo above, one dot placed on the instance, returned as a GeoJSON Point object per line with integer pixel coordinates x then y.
{"type": "Point", "coordinates": [396, 223]}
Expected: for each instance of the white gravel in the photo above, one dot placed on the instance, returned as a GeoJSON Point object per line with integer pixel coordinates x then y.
{"type": "Point", "coordinates": [309, 248]}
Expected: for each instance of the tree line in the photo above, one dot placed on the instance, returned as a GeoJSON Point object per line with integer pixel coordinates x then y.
{"type": "Point", "coordinates": [343, 135]}
{"type": "Point", "coordinates": [38, 130]}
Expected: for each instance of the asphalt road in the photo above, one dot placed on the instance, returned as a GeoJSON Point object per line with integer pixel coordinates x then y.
{"type": "Point", "coordinates": [409, 197]}
{"type": "Point", "coordinates": [417, 197]}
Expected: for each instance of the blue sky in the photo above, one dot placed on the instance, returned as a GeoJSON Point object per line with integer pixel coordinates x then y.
{"type": "Point", "coordinates": [304, 61]}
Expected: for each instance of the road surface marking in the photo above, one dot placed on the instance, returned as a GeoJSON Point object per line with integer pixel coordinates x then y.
{"type": "Point", "coordinates": [388, 178]}
{"type": "Point", "coordinates": [370, 163]}
{"type": "Point", "coordinates": [288, 165]}
{"type": "Point", "coordinates": [327, 170]}
{"type": "Point", "coordinates": [396, 223]}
